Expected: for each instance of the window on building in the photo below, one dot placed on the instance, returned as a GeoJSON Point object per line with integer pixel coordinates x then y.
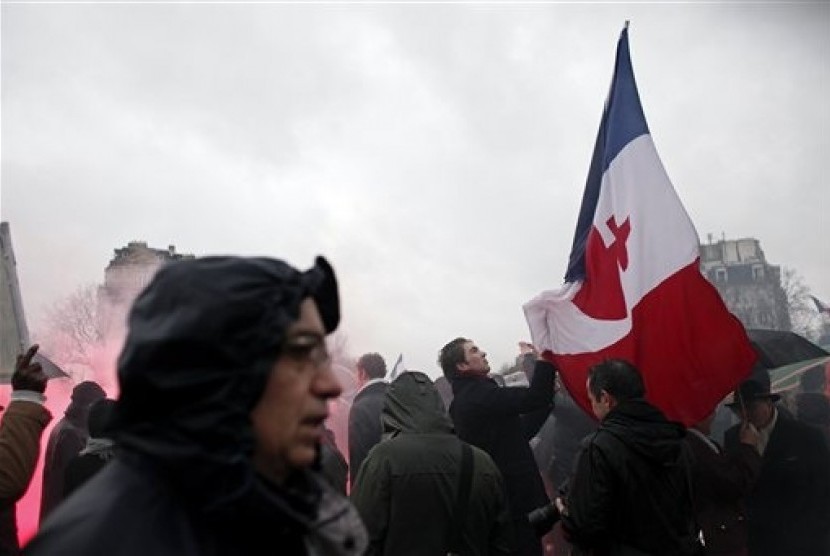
{"type": "Point", "coordinates": [758, 273]}
{"type": "Point", "coordinates": [720, 275]}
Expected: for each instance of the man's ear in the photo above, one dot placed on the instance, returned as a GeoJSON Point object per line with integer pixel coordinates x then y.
{"type": "Point", "coordinates": [605, 397]}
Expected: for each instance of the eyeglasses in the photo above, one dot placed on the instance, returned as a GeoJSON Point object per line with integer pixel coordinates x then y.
{"type": "Point", "coordinates": [307, 348]}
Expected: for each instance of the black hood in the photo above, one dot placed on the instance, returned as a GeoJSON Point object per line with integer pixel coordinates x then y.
{"type": "Point", "coordinates": [646, 431]}
{"type": "Point", "coordinates": [413, 405]}
{"type": "Point", "coordinates": [203, 337]}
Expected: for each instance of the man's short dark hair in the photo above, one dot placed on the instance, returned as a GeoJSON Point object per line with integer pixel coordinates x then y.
{"type": "Point", "coordinates": [451, 355]}
{"type": "Point", "coordinates": [618, 377]}
{"type": "Point", "coordinates": [373, 365]}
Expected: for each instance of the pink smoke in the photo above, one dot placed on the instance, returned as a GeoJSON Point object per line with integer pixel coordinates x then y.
{"type": "Point", "coordinates": [102, 369]}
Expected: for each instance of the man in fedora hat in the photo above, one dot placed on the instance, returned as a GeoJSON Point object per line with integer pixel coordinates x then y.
{"type": "Point", "coordinates": [789, 508]}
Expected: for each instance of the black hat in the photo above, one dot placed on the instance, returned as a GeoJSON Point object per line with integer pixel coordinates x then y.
{"type": "Point", "coordinates": [756, 387]}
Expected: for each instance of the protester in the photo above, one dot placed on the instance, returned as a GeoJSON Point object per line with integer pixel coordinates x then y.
{"type": "Point", "coordinates": [98, 451]}
{"type": "Point", "coordinates": [224, 387]}
{"type": "Point", "coordinates": [364, 415]}
{"type": "Point", "coordinates": [21, 427]}
{"type": "Point", "coordinates": [789, 508]}
{"type": "Point", "coordinates": [66, 440]}
{"type": "Point", "coordinates": [501, 421]}
{"type": "Point", "coordinates": [630, 492]}
{"type": "Point", "coordinates": [720, 483]}
{"type": "Point", "coordinates": [409, 490]}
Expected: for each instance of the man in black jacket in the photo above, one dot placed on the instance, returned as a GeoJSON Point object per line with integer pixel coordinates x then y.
{"type": "Point", "coordinates": [630, 493]}
{"type": "Point", "coordinates": [501, 421]}
{"type": "Point", "coordinates": [364, 415]}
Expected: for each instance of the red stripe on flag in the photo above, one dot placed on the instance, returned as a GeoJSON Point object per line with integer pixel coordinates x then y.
{"type": "Point", "coordinates": [687, 369]}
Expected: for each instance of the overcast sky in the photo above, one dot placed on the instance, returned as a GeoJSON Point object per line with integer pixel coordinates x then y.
{"type": "Point", "coordinates": [436, 154]}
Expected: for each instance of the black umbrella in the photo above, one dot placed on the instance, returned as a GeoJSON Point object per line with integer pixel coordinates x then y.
{"type": "Point", "coordinates": [776, 348]}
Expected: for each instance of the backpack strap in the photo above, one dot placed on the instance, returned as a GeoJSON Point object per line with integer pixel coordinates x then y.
{"type": "Point", "coordinates": [465, 480]}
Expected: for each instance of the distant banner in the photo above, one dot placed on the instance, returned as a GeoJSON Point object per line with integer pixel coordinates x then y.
{"type": "Point", "coordinates": [13, 329]}
{"type": "Point", "coordinates": [12, 322]}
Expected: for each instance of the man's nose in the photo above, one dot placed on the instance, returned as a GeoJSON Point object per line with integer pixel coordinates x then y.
{"type": "Point", "coordinates": [326, 383]}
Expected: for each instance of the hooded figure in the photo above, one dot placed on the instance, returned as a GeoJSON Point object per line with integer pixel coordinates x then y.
{"type": "Point", "coordinates": [66, 440]}
{"type": "Point", "coordinates": [224, 381]}
{"type": "Point", "coordinates": [406, 490]}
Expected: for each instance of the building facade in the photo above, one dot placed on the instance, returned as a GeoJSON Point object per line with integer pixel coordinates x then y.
{"type": "Point", "coordinates": [129, 271]}
{"type": "Point", "coordinates": [132, 268]}
{"type": "Point", "coordinates": [748, 284]}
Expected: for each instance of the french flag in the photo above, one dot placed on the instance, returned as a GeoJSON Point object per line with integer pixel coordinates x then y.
{"type": "Point", "coordinates": [633, 289]}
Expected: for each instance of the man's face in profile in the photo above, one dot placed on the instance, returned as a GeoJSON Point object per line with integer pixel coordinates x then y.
{"type": "Point", "coordinates": [288, 420]}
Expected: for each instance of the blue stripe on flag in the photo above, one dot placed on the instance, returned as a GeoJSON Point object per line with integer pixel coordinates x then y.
{"type": "Point", "coordinates": [622, 121]}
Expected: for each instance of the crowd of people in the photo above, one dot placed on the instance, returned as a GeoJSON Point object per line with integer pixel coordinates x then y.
{"type": "Point", "coordinates": [218, 444]}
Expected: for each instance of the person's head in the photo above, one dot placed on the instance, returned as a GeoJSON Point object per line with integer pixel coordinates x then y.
{"type": "Point", "coordinates": [225, 374]}
{"type": "Point", "coordinates": [413, 405]}
{"type": "Point", "coordinates": [370, 366]}
{"type": "Point", "coordinates": [100, 413]}
{"type": "Point", "coordinates": [84, 395]}
{"type": "Point", "coordinates": [612, 382]}
{"type": "Point", "coordinates": [461, 357]}
{"type": "Point", "coordinates": [752, 401]}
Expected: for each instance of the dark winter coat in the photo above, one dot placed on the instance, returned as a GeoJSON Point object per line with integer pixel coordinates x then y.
{"type": "Point", "coordinates": [490, 417]}
{"type": "Point", "coordinates": [406, 490]}
{"type": "Point", "coordinates": [131, 508]}
{"type": "Point", "coordinates": [789, 508]}
{"type": "Point", "coordinates": [85, 465]}
{"type": "Point", "coordinates": [721, 481]}
{"type": "Point", "coordinates": [333, 465]}
{"type": "Point", "coordinates": [630, 492]}
{"type": "Point", "coordinates": [364, 424]}
{"type": "Point", "coordinates": [66, 440]}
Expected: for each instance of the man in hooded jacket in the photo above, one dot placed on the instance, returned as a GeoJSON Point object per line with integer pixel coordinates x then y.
{"type": "Point", "coordinates": [224, 387]}
{"type": "Point", "coordinates": [630, 494]}
{"type": "Point", "coordinates": [66, 441]}
{"type": "Point", "coordinates": [407, 488]}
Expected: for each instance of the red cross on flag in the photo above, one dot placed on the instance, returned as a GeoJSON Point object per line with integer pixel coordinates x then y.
{"type": "Point", "coordinates": [633, 289]}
